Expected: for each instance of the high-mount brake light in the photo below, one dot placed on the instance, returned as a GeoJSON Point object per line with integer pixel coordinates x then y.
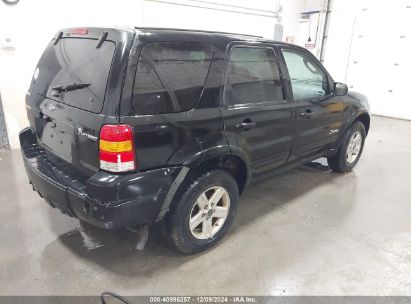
{"type": "Point", "coordinates": [79, 31]}
{"type": "Point", "coordinates": [117, 152]}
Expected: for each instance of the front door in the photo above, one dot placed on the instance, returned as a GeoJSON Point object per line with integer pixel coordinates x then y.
{"type": "Point", "coordinates": [258, 118]}
{"type": "Point", "coordinates": [318, 111]}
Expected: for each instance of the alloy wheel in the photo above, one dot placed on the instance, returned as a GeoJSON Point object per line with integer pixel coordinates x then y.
{"type": "Point", "coordinates": [354, 147]}
{"type": "Point", "coordinates": [209, 212]}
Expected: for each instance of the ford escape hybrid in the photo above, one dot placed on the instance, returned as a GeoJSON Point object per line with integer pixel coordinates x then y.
{"type": "Point", "coordinates": [130, 126]}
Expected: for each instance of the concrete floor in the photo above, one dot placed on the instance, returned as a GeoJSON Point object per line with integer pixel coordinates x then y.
{"type": "Point", "coordinates": [307, 232]}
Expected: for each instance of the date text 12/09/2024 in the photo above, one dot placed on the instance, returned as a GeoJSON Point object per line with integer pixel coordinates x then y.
{"type": "Point", "coordinates": [205, 299]}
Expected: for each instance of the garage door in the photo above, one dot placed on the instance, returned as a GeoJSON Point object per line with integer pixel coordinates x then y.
{"type": "Point", "coordinates": [380, 57]}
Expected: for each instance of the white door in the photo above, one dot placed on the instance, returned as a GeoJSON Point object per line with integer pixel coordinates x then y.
{"type": "Point", "coordinates": [380, 61]}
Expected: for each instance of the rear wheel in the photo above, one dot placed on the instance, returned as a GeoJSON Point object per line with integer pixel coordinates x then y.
{"type": "Point", "coordinates": [202, 212]}
{"type": "Point", "coordinates": [350, 151]}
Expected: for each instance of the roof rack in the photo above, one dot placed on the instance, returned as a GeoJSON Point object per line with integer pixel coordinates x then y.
{"type": "Point", "coordinates": [192, 30]}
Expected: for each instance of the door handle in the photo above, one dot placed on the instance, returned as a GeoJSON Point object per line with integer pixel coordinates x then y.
{"type": "Point", "coordinates": [307, 114]}
{"type": "Point", "coordinates": [245, 125]}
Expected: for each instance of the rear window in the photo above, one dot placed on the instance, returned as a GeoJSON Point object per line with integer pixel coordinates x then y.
{"type": "Point", "coordinates": [170, 77]}
{"type": "Point", "coordinates": [76, 61]}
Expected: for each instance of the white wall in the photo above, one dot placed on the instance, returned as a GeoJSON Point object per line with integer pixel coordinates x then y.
{"type": "Point", "coordinates": [31, 24]}
{"type": "Point", "coordinates": [368, 47]}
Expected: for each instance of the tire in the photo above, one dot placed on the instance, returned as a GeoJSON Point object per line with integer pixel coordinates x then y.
{"type": "Point", "coordinates": [343, 161]}
{"type": "Point", "coordinates": [188, 206]}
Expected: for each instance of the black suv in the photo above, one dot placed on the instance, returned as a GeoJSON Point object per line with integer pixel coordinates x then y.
{"type": "Point", "coordinates": [129, 126]}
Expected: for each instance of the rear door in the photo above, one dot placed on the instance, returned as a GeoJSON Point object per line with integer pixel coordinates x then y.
{"type": "Point", "coordinates": [257, 116]}
{"type": "Point", "coordinates": [318, 111]}
{"type": "Point", "coordinates": [74, 91]}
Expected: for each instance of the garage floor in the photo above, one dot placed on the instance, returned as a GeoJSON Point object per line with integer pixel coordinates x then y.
{"type": "Point", "coordinates": [306, 232]}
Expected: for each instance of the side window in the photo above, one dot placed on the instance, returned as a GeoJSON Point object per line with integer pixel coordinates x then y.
{"type": "Point", "coordinates": [307, 79]}
{"type": "Point", "coordinates": [170, 77]}
{"type": "Point", "coordinates": [252, 77]}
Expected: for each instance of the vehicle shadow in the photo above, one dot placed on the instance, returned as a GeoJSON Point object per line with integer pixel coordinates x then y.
{"type": "Point", "coordinates": [114, 250]}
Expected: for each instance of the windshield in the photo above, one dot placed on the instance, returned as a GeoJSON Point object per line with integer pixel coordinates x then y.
{"type": "Point", "coordinates": [75, 72]}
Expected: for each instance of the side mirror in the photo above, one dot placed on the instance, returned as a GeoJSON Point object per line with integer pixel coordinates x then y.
{"type": "Point", "coordinates": [340, 89]}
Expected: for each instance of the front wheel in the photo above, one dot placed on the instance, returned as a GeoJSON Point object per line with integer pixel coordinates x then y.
{"type": "Point", "coordinates": [202, 212]}
{"type": "Point", "coordinates": [350, 151]}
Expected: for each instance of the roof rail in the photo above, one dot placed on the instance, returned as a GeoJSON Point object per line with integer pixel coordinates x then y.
{"type": "Point", "coordinates": [192, 30]}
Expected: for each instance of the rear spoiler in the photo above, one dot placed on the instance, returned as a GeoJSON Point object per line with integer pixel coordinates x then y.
{"type": "Point", "coordinates": [100, 34]}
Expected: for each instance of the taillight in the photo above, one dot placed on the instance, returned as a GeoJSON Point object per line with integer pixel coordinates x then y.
{"type": "Point", "coordinates": [116, 148]}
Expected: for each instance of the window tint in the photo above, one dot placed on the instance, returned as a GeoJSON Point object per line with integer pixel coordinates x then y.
{"type": "Point", "coordinates": [252, 76]}
{"type": "Point", "coordinates": [170, 77]}
{"type": "Point", "coordinates": [307, 79]}
{"type": "Point", "coordinates": [75, 60]}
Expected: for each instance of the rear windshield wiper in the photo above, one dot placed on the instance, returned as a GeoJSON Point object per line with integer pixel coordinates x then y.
{"type": "Point", "coordinates": [70, 87]}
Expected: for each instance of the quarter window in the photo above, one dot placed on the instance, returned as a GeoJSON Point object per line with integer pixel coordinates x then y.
{"type": "Point", "coordinates": [252, 77]}
{"type": "Point", "coordinates": [170, 77]}
{"type": "Point", "coordinates": [307, 79]}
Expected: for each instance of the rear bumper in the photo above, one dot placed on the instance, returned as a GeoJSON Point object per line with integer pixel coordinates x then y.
{"type": "Point", "coordinates": [105, 200]}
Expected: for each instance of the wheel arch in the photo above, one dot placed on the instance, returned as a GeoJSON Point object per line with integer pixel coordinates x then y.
{"type": "Point", "coordinates": [361, 116]}
{"type": "Point", "coordinates": [233, 164]}
{"type": "Point", "coordinates": [365, 119]}
{"type": "Point", "coordinates": [229, 158]}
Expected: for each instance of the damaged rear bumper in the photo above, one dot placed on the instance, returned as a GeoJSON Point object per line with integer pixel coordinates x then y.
{"type": "Point", "coordinates": [105, 200]}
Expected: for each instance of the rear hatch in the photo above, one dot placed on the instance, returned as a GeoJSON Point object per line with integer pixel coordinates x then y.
{"type": "Point", "coordinates": [75, 90]}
